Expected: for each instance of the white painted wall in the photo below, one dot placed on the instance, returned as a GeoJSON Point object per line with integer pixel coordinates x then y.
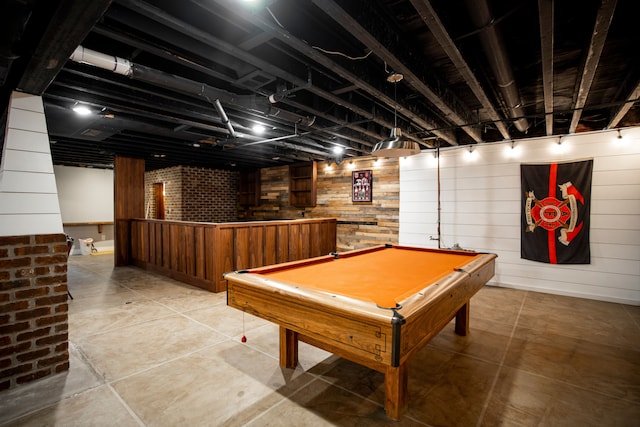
{"type": "Point", "coordinates": [85, 194]}
{"type": "Point", "coordinates": [28, 194]}
{"type": "Point", "coordinates": [480, 210]}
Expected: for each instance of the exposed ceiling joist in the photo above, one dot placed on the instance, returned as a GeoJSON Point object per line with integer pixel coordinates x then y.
{"type": "Point", "coordinates": [325, 60]}
{"type": "Point", "coordinates": [633, 97]}
{"type": "Point", "coordinates": [69, 25]}
{"type": "Point", "coordinates": [600, 31]}
{"type": "Point", "coordinates": [546, 51]}
{"type": "Point", "coordinates": [304, 48]}
{"type": "Point", "coordinates": [452, 113]}
{"type": "Point", "coordinates": [435, 25]}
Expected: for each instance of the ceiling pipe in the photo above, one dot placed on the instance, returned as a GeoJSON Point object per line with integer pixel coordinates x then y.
{"type": "Point", "coordinates": [170, 81]}
{"type": "Point", "coordinates": [267, 25]}
{"type": "Point", "coordinates": [297, 134]}
{"type": "Point", "coordinates": [285, 93]}
{"type": "Point", "coordinates": [225, 118]}
{"type": "Point", "coordinates": [496, 53]}
{"type": "Point", "coordinates": [101, 60]}
{"type": "Point", "coordinates": [437, 28]}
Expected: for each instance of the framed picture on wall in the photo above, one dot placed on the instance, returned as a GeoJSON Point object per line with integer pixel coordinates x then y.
{"type": "Point", "coordinates": [361, 184]}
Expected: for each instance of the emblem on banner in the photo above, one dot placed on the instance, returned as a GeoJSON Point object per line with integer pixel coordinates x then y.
{"type": "Point", "coordinates": [551, 213]}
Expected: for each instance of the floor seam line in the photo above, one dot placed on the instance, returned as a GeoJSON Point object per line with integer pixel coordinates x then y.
{"type": "Point", "coordinates": [485, 406]}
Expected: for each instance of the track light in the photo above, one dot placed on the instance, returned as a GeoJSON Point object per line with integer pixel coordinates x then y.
{"type": "Point", "coordinates": [512, 150]}
{"type": "Point", "coordinates": [472, 154]}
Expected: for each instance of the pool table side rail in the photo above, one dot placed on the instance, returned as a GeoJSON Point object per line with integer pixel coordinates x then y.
{"type": "Point", "coordinates": [478, 269]}
{"type": "Point", "coordinates": [361, 329]}
{"type": "Point", "coordinates": [446, 298]}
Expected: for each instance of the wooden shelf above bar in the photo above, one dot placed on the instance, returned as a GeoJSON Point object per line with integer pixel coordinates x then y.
{"type": "Point", "coordinates": [80, 224]}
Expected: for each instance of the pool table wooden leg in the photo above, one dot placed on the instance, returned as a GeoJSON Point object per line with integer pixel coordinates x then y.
{"type": "Point", "coordinates": [396, 391]}
{"type": "Point", "coordinates": [288, 348]}
{"type": "Point", "coordinates": [462, 320]}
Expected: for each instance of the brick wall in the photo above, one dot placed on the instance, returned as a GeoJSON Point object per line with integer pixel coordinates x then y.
{"type": "Point", "coordinates": [209, 195]}
{"type": "Point", "coordinates": [172, 178]}
{"type": "Point", "coordinates": [199, 194]}
{"type": "Point", "coordinates": [33, 308]}
{"type": "Point", "coordinates": [360, 224]}
{"type": "Point", "coordinates": [194, 194]}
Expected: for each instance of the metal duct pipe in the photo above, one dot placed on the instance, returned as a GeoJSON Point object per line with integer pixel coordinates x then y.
{"type": "Point", "coordinates": [280, 141]}
{"type": "Point", "coordinates": [496, 53]}
{"type": "Point", "coordinates": [297, 147]}
{"type": "Point", "coordinates": [280, 95]}
{"type": "Point", "coordinates": [253, 103]}
{"type": "Point", "coordinates": [101, 60]}
{"type": "Point", "coordinates": [224, 118]}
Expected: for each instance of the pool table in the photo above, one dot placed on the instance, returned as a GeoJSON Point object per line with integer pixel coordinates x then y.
{"type": "Point", "coordinates": [376, 306]}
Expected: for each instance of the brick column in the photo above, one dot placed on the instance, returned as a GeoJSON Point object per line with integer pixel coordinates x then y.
{"type": "Point", "coordinates": [33, 259]}
{"type": "Point", "coordinates": [33, 308]}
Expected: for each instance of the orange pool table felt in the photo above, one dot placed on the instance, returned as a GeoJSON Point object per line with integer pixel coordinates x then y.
{"type": "Point", "coordinates": [375, 306]}
{"type": "Point", "coordinates": [369, 277]}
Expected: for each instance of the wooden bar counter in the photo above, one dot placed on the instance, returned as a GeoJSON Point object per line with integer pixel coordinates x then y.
{"type": "Point", "coordinates": [199, 253]}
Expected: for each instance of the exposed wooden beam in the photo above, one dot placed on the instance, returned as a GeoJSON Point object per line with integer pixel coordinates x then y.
{"type": "Point", "coordinates": [433, 22]}
{"type": "Point", "coordinates": [598, 38]}
{"type": "Point", "coordinates": [338, 14]}
{"type": "Point", "coordinates": [624, 109]}
{"type": "Point", "coordinates": [67, 28]}
{"type": "Point", "coordinates": [545, 8]}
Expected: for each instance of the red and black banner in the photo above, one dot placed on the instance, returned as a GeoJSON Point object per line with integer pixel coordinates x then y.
{"type": "Point", "coordinates": [556, 204]}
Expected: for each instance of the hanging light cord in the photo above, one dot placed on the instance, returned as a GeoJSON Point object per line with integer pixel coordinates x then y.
{"type": "Point", "coordinates": [395, 105]}
{"type": "Point", "coordinates": [439, 208]}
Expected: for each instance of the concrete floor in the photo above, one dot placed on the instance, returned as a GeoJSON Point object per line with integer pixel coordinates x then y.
{"type": "Point", "coordinates": [150, 351]}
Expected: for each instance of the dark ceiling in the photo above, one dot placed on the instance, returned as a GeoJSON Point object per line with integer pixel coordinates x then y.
{"type": "Point", "coordinates": [314, 73]}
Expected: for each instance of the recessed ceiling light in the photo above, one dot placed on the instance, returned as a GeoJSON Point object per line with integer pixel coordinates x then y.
{"type": "Point", "coordinates": [258, 128]}
{"type": "Point", "coordinates": [82, 110]}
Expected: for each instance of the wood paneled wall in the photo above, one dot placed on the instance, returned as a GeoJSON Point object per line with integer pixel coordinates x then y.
{"type": "Point", "coordinates": [128, 193]}
{"type": "Point", "coordinates": [359, 224]}
{"type": "Point", "coordinates": [199, 253]}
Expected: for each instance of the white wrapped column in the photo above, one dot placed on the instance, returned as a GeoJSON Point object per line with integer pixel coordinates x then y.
{"type": "Point", "coordinates": [28, 193]}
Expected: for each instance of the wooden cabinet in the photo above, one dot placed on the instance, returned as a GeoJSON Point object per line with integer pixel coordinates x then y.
{"type": "Point", "coordinates": [249, 188]}
{"type": "Point", "coordinates": [302, 184]}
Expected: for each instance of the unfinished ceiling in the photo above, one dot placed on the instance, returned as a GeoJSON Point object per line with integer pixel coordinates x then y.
{"type": "Point", "coordinates": [194, 76]}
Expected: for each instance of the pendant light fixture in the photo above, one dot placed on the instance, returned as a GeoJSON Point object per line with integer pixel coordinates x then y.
{"type": "Point", "coordinates": [395, 145]}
